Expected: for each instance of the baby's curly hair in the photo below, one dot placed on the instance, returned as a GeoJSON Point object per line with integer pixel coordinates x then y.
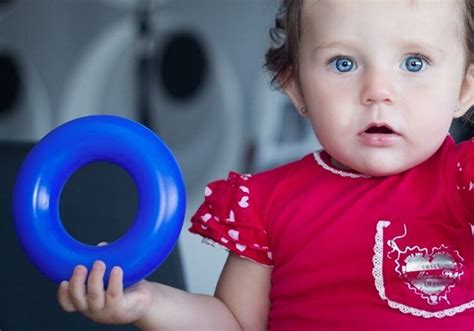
{"type": "Point", "coordinates": [281, 59]}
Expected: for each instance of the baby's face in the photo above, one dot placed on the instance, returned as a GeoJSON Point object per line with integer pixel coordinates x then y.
{"type": "Point", "coordinates": [381, 78]}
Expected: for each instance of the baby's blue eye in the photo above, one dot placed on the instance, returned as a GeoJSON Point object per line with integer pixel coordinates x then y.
{"type": "Point", "coordinates": [414, 63]}
{"type": "Point", "coordinates": [342, 64]}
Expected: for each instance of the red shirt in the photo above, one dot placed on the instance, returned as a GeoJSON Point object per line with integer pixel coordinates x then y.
{"type": "Point", "coordinates": [352, 252]}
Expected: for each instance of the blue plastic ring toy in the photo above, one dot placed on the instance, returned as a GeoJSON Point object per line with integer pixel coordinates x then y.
{"type": "Point", "coordinates": [63, 151]}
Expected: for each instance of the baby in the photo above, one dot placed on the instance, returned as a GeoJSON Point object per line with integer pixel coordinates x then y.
{"type": "Point", "coordinates": [371, 233]}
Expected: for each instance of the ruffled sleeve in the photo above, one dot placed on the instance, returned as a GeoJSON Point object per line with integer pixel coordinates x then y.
{"type": "Point", "coordinates": [465, 175]}
{"type": "Point", "coordinates": [230, 217]}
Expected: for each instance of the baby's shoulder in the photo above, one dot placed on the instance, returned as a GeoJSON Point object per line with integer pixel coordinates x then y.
{"type": "Point", "coordinates": [461, 155]}
{"type": "Point", "coordinates": [466, 148]}
{"type": "Point", "coordinates": [285, 172]}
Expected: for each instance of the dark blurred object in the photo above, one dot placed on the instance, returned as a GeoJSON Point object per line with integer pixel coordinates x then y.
{"type": "Point", "coordinates": [10, 82]}
{"type": "Point", "coordinates": [97, 204]}
{"type": "Point", "coordinates": [462, 129]}
{"type": "Point", "coordinates": [144, 60]}
{"type": "Point", "coordinates": [183, 65]}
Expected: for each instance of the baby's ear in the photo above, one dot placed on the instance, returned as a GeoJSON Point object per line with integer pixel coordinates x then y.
{"type": "Point", "coordinates": [290, 85]}
{"type": "Point", "coordinates": [466, 96]}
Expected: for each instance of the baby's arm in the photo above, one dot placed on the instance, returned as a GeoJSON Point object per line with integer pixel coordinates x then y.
{"type": "Point", "coordinates": [244, 286]}
{"type": "Point", "coordinates": [241, 300]}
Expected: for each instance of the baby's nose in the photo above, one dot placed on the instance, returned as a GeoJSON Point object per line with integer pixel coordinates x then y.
{"type": "Point", "coordinates": [377, 88]}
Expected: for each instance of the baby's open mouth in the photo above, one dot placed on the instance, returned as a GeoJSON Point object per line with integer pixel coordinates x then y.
{"type": "Point", "coordinates": [379, 129]}
{"type": "Point", "coordinates": [379, 135]}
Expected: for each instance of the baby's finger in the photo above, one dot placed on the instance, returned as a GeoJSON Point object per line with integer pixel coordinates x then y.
{"type": "Point", "coordinates": [114, 291]}
{"type": "Point", "coordinates": [77, 288]}
{"type": "Point", "coordinates": [63, 297]}
{"type": "Point", "coordinates": [95, 287]}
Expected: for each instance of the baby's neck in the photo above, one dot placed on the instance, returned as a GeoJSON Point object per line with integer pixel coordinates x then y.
{"type": "Point", "coordinates": [339, 165]}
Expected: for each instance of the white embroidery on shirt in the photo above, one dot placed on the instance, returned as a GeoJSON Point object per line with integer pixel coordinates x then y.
{"type": "Point", "coordinates": [244, 202]}
{"type": "Point", "coordinates": [215, 244]}
{"type": "Point", "coordinates": [206, 217]}
{"type": "Point", "coordinates": [377, 273]}
{"type": "Point", "coordinates": [245, 176]}
{"type": "Point", "coordinates": [231, 216]}
{"type": "Point", "coordinates": [234, 234]}
{"type": "Point", "coordinates": [244, 189]}
{"type": "Point", "coordinates": [240, 247]}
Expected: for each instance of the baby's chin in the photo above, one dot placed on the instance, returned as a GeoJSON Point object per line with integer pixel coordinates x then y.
{"type": "Point", "coordinates": [384, 170]}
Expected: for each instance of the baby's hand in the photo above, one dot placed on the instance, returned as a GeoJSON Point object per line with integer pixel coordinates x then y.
{"type": "Point", "coordinates": [111, 306]}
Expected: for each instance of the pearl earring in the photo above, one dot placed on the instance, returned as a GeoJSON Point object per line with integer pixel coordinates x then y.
{"type": "Point", "coordinates": [304, 110]}
{"type": "Point", "coordinates": [457, 108]}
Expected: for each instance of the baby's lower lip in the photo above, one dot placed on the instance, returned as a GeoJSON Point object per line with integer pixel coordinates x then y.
{"type": "Point", "coordinates": [379, 139]}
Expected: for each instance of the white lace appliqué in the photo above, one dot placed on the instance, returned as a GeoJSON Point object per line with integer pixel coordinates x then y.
{"type": "Point", "coordinates": [451, 266]}
{"type": "Point", "coordinates": [325, 166]}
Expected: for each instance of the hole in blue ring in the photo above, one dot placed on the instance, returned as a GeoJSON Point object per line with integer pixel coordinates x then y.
{"type": "Point", "coordinates": [99, 202]}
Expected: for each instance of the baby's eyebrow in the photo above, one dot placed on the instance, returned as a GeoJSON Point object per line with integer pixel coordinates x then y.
{"type": "Point", "coordinates": [335, 44]}
{"type": "Point", "coordinates": [406, 45]}
{"type": "Point", "coordinates": [418, 45]}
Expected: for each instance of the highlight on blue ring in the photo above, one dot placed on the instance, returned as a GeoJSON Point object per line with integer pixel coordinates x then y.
{"type": "Point", "coordinates": [63, 151]}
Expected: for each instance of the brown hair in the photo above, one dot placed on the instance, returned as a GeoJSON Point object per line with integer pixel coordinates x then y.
{"type": "Point", "coordinates": [281, 59]}
{"type": "Point", "coordinates": [469, 42]}
{"type": "Point", "coordinates": [469, 29]}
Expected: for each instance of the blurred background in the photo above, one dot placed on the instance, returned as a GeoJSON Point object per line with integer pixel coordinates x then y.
{"type": "Point", "coordinates": [191, 70]}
